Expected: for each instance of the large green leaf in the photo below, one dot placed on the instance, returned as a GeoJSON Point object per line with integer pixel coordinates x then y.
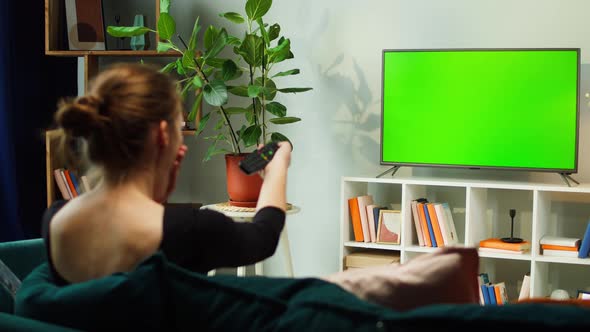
{"type": "Point", "coordinates": [263, 31]}
{"type": "Point", "coordinates": [235, 110]}
{"type": "Point", "coordinates": [287, 73]}
{"type": "Point", "coordinates": [278, 137]}
{"type": "Point", "coordinates": [197, 82]}
{"type": "Point", "coordinates": [276, 109]}
{"type": "Point", "coordinates": [229, 70]}
{"type": "Point", "coordinates": [218, 44]}
{"type": "Point", "coordinates": [195, 108]}
{"type": "Point", "coordinates": [185, 90]}
{"type": "Point", "coordinates": [164, 6]}
{"type": "Point", "coordinates": [281, 52]}
{"type": "Point", "coordinates": [127, 31]}
{"type": "Point", "coordinates": [233, 40]}
{"type": "Point", "coordinates": [270, 88]}
{"type": "Point", "coordinates": [241, 91]}
{"type": "Point", "coordinates": [233, 17]}
{"type": "Point", "coordinates": [294, 90]}
{"type": "Point", "coordinates": [215, 93]}
{"type": "Point", "coordinates": [213, 150]}
{"type": "Point", "coordinates": [215, 62]}
{"type": "Point", "coordinates": [169, 67]}
{"type": "Point", "coordinates": [164, 46]}
{"type": "Point", "coordinates": [252, 50]}
{"type": "Point", "coordinates": [257, 8]}
{"type": "Point", "coordinates": [166, 26]}
{"type": "Point", "coordinates": [254, 90]}
{"type": "Point", "coordinates": [180, 68]}
{"type": "Point", "coordinates": [284, 120]}
{"type": "Point", "coordinates": [251, 135]}
{"type": "Point", "coordinates": [203, 123]}
{"type": "Point", "coordinates": [188, 60]}
{"type": "Point", "coordinates": [274, 31]}
{"type": "Point", "coordinates": [210, 37]}
{"type": "Point", "coordinates": [192, 44]}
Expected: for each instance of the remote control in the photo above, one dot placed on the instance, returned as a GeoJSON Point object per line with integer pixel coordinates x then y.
{"type": "Point", "coordinates": [258, 159]}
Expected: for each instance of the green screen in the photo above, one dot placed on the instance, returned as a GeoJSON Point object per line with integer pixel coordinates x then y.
{"type": "Point", "coordinates": [481, 108]}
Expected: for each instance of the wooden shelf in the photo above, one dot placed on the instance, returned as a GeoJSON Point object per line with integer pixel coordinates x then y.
{"type": "Point", "coordinates": [117, 53]}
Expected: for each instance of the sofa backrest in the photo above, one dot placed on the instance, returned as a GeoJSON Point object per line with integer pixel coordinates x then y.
{"type": "Point", "coordinates": [21, 257]}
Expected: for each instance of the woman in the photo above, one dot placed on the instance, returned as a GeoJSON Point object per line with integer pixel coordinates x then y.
{"type": "Point", "coordinates": [130, 122]}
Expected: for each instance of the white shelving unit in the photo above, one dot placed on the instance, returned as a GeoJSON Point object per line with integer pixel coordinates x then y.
{"type": "Point", "coordinates": [481, 210]}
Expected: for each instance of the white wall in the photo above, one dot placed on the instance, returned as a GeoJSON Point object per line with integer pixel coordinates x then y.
{"type": "Point", "coordinates": [337, 45]}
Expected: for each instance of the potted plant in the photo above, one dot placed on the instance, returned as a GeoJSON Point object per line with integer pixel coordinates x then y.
{"type": "Point", "coordinates": [249, 75]}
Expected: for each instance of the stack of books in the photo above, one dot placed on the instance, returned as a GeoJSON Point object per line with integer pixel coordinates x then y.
{"type": "Point", "coordinates": [560, 246]}
{"type": "Point", "coordinates": [434, 223]}
{"type": "Point", "coordinates": [368, 258]}
{"type": "Point", "coordinates": [491, 293]}
{"type": "Point", "coordinates": [496, 245]}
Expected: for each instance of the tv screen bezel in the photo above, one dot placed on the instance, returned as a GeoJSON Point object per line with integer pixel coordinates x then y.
{"type": "Point", "coordinates": [530, 169]}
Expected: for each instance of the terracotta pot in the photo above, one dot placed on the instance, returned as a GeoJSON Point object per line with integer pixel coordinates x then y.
{"type": "Point", "coordinates": [243, 189]}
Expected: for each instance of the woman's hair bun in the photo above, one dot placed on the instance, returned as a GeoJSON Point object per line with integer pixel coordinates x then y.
{"type": "Point", "coordinates": [82, 116]}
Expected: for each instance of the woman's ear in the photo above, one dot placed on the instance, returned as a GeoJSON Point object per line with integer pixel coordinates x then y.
{"type": "Point", "coordinates": [163, 135]}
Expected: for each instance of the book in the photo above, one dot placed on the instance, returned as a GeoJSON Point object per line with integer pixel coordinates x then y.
{"type": "Point", "coordinates": [585, 244]}
{"type": "Point", "coordinates": [560, 241]}
{"type": "Point", "coordinates": [449, 218]}
{"type": "Point", "coordinates": [75, 181]}
{"type": "Point", "coordinates": [501, 286]}
{"type": "Point", "coordinates": [424, 224]}
{"type": "Point", "coordinates": [59, 180]}
{"type": "Point", "coordinates": [429, 225]}
{"type": "Point", "coordinates": [491, 293]}
{"type": "Point", "coordinates": [560, 253]}
{"type": "Point", "coordinates": [376, 210]}
{"type": "Point", "coordinates": [417, 225]}
{"type": "Point", "coordinates": [499, 251]}
{"type": "Point", "coordinates": [363, 201]}
{"type": "Point", "coordinates": [485, 293]}
{"type": "Point", "coordinates": [525, 289]}
{"type": "Point", "coordinates": [435, 225]}
{"type": "Point", "coordinates": [442, 223]}
{"type": "Point", "coordinates": [72, 189]}
{"type": "Point", "coordinates": [370, 258]}
{"type": "Point", "coordinates": [555, 247]}
{"type": "Point", "coordinates": [85, 183]}
{"type": "Point", "coordinates": [499, 244]}
{"type": "Point", "coordinates": [497, 294]}
{"type": "Point", "coordinates": [371, 221]}
{"type": "Point", "coordinates": [355, 219]}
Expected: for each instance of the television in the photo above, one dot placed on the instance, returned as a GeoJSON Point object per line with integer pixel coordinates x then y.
{"type": "Point", "coordinates": [513, 109]}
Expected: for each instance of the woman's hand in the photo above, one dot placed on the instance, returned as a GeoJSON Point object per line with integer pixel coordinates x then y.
{"type": "Point", "coordinates": [281, 159]}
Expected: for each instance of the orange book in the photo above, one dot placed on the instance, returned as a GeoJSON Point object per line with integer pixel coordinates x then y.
{"type": "Point", "coordinates": [556, 247]}
{"type": "Point", "coordinates": [499, 300]}
{"type": "Point", "coordinates": [440, 242]}
{"type": "Point", "coordinates": [355, 218]}
{"type": "Point", "coordinates": [70, 183]}
{"type": "Point", "coordinates": [499, 244]}
{"type": "Point", "coordinates": [424, 224]}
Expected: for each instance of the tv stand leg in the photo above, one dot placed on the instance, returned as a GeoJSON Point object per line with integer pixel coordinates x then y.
{"type": "Point", "coordinates": [394, 169]}
{"type": "Point", "coordinates": [566, 176]}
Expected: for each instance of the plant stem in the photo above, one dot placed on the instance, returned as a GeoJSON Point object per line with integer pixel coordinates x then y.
{"type": "Point", "coordinates": [263, 103]}
{"type": "Point", "coordinates": [254, 99]}
{"type": "Point", "coordinates": [234, 140]}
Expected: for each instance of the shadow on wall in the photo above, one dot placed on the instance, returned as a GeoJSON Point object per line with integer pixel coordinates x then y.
{"type": "Point", "coordinates": [356, 120]}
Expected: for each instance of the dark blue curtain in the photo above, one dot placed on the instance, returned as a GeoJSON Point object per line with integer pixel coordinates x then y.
{"type": "Point", "coordinates": [30, 85]}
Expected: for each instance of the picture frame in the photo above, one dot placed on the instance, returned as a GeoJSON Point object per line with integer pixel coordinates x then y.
{"type": "Point", "coordinates": [85, 25]}
{"type": "Point", "coordinates": [389, 227]}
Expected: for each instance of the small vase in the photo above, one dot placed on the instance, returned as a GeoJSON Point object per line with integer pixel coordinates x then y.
{"type": "Point", "coordinates": [138, 42]}
{"type": "Point", "coordinates": [243, 189]}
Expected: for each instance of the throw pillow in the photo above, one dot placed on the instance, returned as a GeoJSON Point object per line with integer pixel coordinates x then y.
{"type": "Point", "coordinates": [447, 275]}
{"type": "Point", "coordinates": [9, 280]}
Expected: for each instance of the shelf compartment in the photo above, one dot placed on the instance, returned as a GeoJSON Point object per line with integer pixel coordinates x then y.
{"type": "Point", "coordinates": [553, 275]}
{"type": "Point", "coordinates": [509, 271]}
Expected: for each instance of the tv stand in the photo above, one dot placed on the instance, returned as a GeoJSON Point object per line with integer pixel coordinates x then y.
{"type": "Point", "coordinates": [394, 169]}
{"type": "Point", "coordinates": [566, 176]}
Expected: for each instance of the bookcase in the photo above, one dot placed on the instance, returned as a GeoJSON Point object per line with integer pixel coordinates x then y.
{"type": "Point", "coordinates": [481, 210]}
{"type": "Point", "coordinates": [55, 27]}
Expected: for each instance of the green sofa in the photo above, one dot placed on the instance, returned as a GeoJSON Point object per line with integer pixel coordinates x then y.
{"type": "Point", "coordinates": [160, 296]}
{"type": "Point", "coordinates": [22, 257]}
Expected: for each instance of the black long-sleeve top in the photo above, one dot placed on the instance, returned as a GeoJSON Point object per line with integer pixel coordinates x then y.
{"type": "Point", "coordinates": [202, 240]}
